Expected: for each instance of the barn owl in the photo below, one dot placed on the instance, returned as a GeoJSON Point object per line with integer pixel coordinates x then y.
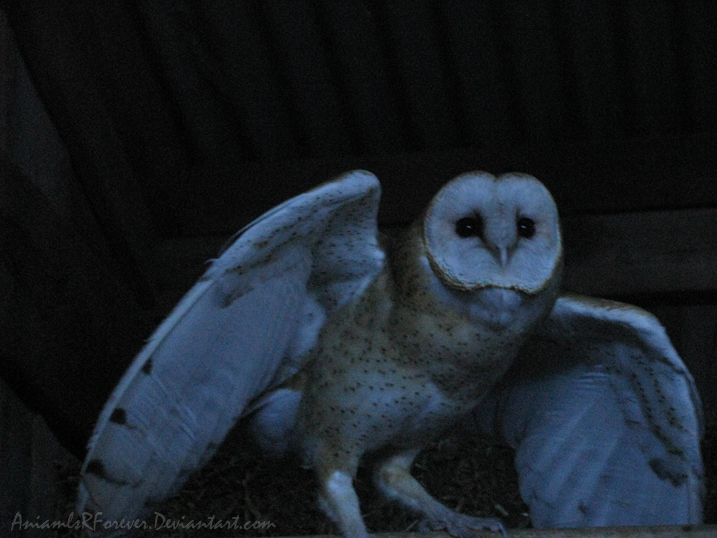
{"type": "Point", "coordinates": [332, 342]}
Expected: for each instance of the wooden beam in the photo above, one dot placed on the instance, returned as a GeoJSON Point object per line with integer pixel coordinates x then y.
{"type": "Point", "coordinates": [620, 256]}
{"type": "Point", "coordinates": [636, 254]}
{"type": "Point", "coordinates": [686, 531]}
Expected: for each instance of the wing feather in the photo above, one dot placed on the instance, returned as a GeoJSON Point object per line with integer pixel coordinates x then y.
{"type": "Point", "coordinates": [245, 326]}
{"type": "Point", "coordinates": [605, 420]}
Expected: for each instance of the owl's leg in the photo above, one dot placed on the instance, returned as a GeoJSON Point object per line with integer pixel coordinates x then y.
{"type": "Point", "coordinates": [338, 498]}
{"type": "Point", "coordinates": [393, 476]}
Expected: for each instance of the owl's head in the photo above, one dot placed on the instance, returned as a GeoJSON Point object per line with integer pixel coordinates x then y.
{"type": "Point", "coordinates": [482, 231]}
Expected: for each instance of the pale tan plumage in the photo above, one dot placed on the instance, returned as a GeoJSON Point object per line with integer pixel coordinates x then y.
{"type": "Point", "coordinates": [420, 348]}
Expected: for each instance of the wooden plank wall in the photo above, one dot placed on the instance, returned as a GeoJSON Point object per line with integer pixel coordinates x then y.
{"type": "Point", "coordinates": [636, 189]}
{"type": "Point", "coordinates": [57, 276]}
{"type": "Point", "coordinates": [187, 90]}
{"type": "Point", "coordinates": [31, 474]}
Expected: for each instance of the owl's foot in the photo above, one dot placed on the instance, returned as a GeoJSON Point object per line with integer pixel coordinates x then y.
{"type": "Point", "coordinates": [461, 525]}
{"type": "Point", "coordinates": [394, 478]}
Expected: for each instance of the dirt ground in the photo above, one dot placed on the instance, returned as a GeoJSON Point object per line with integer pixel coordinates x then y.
{"type": "Point", "coordinates": [278, 498]}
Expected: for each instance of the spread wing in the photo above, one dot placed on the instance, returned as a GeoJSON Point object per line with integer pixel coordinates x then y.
{"type": "Point", "coordinates": [245, 327]}
{"type": "Point", "coordinates": [605, 420]}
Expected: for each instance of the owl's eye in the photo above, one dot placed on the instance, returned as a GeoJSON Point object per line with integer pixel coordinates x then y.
{"type": "Point", "coordinates": [469, 227]}
{"type": "Point", "coordinates": [526, 227]}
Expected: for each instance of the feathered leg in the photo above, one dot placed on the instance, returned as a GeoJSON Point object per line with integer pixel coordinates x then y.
{"type": "Point", "coordinates": [338, 497]}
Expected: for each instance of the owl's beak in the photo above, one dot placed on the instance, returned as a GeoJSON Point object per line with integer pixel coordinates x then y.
{"type": "Point", "coordinates": [501, 254]}
{"type": "Point", "coordinates": [504, 256]}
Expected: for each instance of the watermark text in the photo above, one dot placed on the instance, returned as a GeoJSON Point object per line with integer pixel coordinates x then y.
{"type": "Point", "coordinates": [93, 522]}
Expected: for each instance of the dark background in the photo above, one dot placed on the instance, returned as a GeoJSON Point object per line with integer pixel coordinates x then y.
{"type": "Point", "coordinates": [136, 136]}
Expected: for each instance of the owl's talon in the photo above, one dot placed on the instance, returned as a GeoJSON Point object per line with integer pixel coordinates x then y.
{"type": "Point", "coordinates": [462, 526]}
